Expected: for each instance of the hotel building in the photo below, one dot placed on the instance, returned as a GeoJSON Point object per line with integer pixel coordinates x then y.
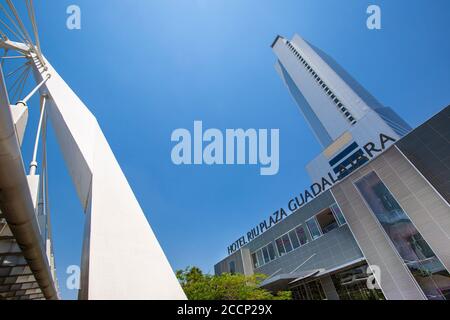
{"type": "Point", "coordinates": [381, 228]}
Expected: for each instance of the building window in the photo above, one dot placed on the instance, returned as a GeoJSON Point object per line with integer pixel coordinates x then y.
{"type": "Point", "coordinates": [263, 256]}
{"type": "Point", "coordinates": [232, 266]}
{"type": "Point", "coordinates": [287, 243]}
{"type": "Point", "coordinates": [309, 291]}
{"type": "Point", "coordinates": [255, 261]}
{"type": "Point", "coordinates": [426, 268]}
{"type": "Point", "coordinates": [268, 253]}
{"type": "Point", "coordinates": [280, 247]}
{"type": "Point", "coordinates": [259, 254]}
{"type": "Point", "coordinates": [313, 228]}
{"type": "Point", "coordinates": [301, 234]}
{"type": "Point", "coordinates": [338, 214]}
{"type": "Point", "coordinates": [326, 221]}
{"type": "Point", "coordinates": [284, 245]}
{"type": "Point", "coordinates": [294, 239]}
{"type": "Point", "coordinates": [271, 250]}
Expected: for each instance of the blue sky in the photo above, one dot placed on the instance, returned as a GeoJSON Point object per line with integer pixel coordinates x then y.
{"type": "Point", "coordinates": [146, 68]}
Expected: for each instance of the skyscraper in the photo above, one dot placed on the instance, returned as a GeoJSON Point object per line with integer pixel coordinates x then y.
{"type": "Point", "coordinates": [378, 207]}
{"type": "Point", "coordinates": [342, 114]}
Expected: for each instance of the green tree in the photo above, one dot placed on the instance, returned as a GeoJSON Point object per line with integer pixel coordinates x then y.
{"type": "Point", "coordinates": [199, 286]}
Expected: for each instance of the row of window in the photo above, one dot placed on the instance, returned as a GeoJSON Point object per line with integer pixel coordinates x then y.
{"type": "Point", "coordinates": [291, 240]}
{"type": "Point", "coordinates": [312, 290]}
{"type": "Point", "coordinates": [263, 256]}
{"type": "Point", "coordinates": [317, 226]}
{"type": "Point", "coordinates": [327, 90]}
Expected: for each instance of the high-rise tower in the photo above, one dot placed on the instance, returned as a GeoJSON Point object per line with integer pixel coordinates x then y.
{"type": "Point", "coordinates": [343, 115]}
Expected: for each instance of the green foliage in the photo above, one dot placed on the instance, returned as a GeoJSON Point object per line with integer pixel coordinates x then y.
{"type": "Point", "coordinates": [199, 286]}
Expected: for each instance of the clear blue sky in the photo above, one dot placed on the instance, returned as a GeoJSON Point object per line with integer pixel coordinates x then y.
{"type": "Point", "coordinates": [145, 68]}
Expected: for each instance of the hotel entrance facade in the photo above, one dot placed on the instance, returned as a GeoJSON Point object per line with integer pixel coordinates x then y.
{"type": "Point", "coordinates": [389, 216]}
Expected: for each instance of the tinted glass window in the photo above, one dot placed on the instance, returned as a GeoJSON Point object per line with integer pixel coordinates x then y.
{"type": "Point", "coordinates": [294, 239]}
{"type": "Point", "coordinates": [266, 255]}
{"type": "Point", "coordinates": [287, 243]}
{"type": "Point", "coordinates": [417, 255]}
{"type": "Point", "coordinates": [338, 214]}
{"type": "Point", "coordinates": [313, 228]}
{"type": "Point", "coordinates": [326, 221]}
{"type": "Point", "coordinates": [254, 260]}
{"type": "Point", "coordinates": [308, 291]}
{"type": "Point", "coordinates": [280, 246]}
{"type": "Point", "coordinates": [301, 234]}
{"type": "Point", "coordinates": [271, 251]}
{"type": "Point", "coordinates": [316, 290]}
{"type": "Point", "coordinates": [232, 267]}
{"type": "Point", "coordinates": [260, 257]}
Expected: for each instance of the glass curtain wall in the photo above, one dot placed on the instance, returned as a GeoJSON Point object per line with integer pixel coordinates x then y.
{"type": "Point", "coordinates": [427, 269]}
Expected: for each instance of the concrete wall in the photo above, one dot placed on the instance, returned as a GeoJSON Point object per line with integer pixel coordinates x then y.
{"type": "Point", "coordinates": [241, 259]}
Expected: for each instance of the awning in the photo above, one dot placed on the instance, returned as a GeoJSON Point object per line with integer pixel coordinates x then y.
{"type": "Point", "coordinates": [281, 281]}
{"type": "Point", "coordinates": [342, 266]}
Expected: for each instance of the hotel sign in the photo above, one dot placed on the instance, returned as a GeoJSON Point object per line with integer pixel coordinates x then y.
{"type": "Point", "coordinates": [342, 164]}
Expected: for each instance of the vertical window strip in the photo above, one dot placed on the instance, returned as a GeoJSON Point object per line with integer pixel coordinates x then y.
{"type": "Point", "coordinates": [322, 83]}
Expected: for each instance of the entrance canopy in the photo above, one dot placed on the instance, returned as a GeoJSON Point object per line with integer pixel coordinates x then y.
{"type": "Point", "coordinates": [281, 281]}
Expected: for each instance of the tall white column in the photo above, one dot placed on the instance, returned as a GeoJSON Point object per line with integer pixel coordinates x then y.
{"type": "Point", "coordinates": [122, 258]}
